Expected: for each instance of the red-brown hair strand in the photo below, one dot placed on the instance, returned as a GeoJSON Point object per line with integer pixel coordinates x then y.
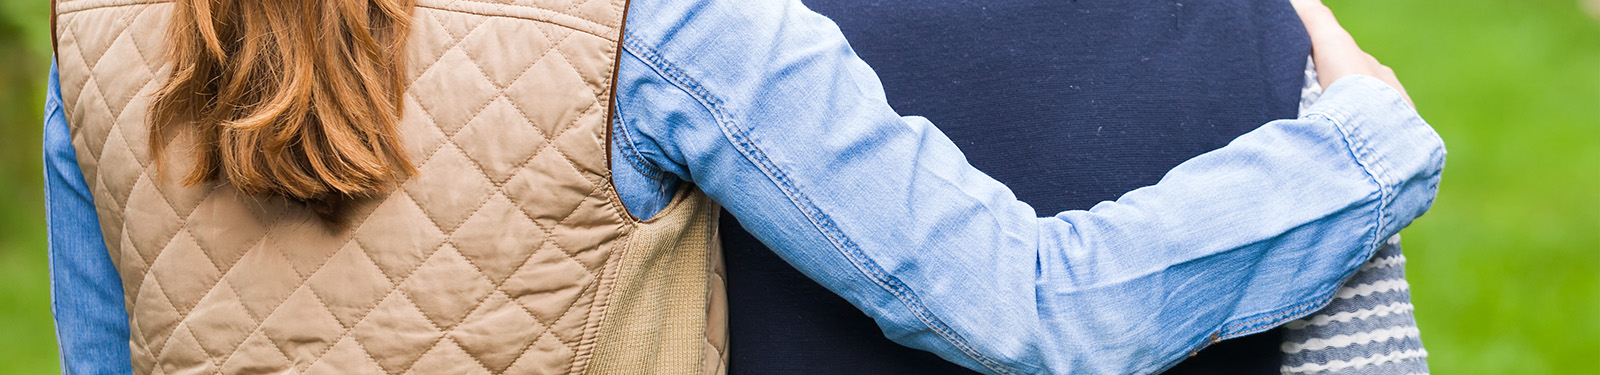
{"type": "Point", "coordinates": [300, 98]}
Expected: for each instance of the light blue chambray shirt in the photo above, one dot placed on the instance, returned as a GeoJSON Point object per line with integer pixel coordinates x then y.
{"type": "Point", "coordinates": [763, 105]}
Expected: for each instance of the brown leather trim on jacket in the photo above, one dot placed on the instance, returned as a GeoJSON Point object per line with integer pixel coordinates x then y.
{"type": "Point", "coordinates": [53, 38]}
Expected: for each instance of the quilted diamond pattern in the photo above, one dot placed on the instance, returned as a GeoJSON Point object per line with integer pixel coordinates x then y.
{"type": "Point", "coordinates": [490, 260]}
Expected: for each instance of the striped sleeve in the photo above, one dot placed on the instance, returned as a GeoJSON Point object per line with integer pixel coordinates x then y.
{"type": "Point", "coordinates": [1367, 329]}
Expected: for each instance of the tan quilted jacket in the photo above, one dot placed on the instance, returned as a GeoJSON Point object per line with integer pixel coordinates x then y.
{"type": "Point", "coordinates": [508, 252]}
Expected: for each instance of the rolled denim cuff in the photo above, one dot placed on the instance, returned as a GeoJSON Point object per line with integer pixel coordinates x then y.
{"type": "Point", "coordinates": [1387, 137]}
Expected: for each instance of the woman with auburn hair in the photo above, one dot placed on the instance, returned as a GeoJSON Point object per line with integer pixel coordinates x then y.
{"type": "Point", "coordinates": [531, 186]}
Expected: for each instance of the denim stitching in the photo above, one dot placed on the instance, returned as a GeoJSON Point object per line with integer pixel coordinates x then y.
{"type": "Point", "coordinates": [53, 106]}
{"type": "Point", "coordinates": [636, 159]}
{"type": "Point", "coordinates": [1356, 144]}
{"type": "Point", "coordinates": [741, 140]}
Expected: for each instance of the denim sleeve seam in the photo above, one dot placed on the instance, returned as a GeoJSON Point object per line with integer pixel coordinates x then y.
{"type": "Point", "coordinates": [742, 142]}
{"type": "Point", "coordinates": [630, 151]}
{"type": "Point", "coordinates": [55, 107]}
{"type": "Point", "coordinates": [1356, 143]}
{"type": "Point", "coordinates": [52, 109]}
{"type": "Point", "coordinates": [52, 106]}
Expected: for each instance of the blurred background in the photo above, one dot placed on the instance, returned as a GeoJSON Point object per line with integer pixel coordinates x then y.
{"type": "Point", "coordinates": [1505, 268]}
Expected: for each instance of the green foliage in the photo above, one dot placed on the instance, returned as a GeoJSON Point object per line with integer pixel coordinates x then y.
{"type": "Point", "coordinates": [1505, 269]}
{"type": "Point", "coordinates": [27, 337]}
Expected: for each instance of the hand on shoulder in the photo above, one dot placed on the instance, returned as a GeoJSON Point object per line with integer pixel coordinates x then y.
{"type": "Point", "coordinates": [1335, 51]}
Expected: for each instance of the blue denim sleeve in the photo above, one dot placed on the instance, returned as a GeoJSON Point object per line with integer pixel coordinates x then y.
{"type": "Point", "coordinates": [763, 105]}
{"type": "Point", "coordinates": [86, 292]}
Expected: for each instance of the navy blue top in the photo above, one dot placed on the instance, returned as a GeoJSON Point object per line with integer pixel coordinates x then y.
{"type": "Point", "coordinates": [1130, 88]}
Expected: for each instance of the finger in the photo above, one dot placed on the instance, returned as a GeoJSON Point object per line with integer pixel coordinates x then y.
{"type": "Point", "coordinates": [1311, 11]}
{"type": "Point", "coordinates": [1334, 50]}
{"type": "Point", "coordinates": [1327, 35]}
{"type": "Point", "coordinates": [1319, 20]}
{"type": "Point", "coordinates": [1390, 78]}
{"type": "Point", "coordinates": [1386, 74]}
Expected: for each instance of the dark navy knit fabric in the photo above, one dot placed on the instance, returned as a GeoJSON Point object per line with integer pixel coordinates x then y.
{"type": "Point", "coordinates": [1069, 103]}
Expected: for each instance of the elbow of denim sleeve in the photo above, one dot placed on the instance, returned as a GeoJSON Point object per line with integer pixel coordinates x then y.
{"type": "Point", "coordinates": [1391, 141]}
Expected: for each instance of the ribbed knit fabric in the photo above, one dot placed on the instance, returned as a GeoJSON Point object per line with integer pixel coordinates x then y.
{"type": "Point", "coordinates": [656, 321]}
{"type": "Point", "coordinates": [1067, 103]}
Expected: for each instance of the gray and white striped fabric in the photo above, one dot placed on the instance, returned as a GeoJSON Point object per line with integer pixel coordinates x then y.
{"type": "Point", "coordinates": [1369, 327]}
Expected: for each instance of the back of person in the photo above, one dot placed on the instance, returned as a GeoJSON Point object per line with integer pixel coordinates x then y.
{"type": "Point", "coordinates": [500, 253]}
{"type": "Point", "coordinates": [1067, 103]}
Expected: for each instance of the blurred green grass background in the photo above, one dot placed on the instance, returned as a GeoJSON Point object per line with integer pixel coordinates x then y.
{"type": "Point", "coordinates": [1505, 269]}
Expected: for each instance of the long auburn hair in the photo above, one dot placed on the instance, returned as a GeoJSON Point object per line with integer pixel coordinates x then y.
{"type": "Point", "coordinates": [299, 98]}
